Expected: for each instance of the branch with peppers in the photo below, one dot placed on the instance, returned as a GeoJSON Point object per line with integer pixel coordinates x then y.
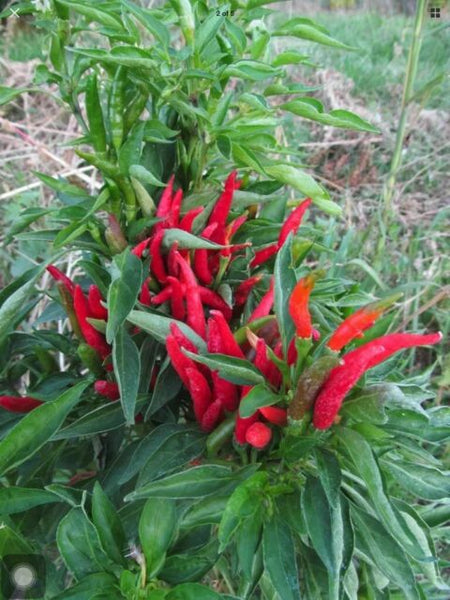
{"type": "Point", "coordinates": [185, 283]}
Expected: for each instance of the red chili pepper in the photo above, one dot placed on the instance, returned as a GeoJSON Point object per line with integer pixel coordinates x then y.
{"type": "Point", "coordinates": [265, 306]}
{"type": "Point", "coordinates": [200, 393]}
{"type": "Point", "coordinates": [108, 389]}
{"type": "Point", "coordinates": [165, 202]}
{"type": "Point", "coordinates": [201, 267]}
{"type": "Point", "coordinates": [222, 207]}
{"type": "Point", "coordinates": [163, 296]}
{"type": "Point", "coordinates": [175, 209]}
{"type": "Point", "coordinates": [141, 247]}
{"type": "Point", "coordinates": [265, 365]}
{"type": "Point", "coordinates": [299, 306]}
{"type": "Point", "coordinates": [275, 415]}
{"type": "Point", "coordinates": [263, 255]}
{"type": "Point", "coordinates": [212, 416]}
{"type": "Point", "coordinates": [157, 263]}
{"type": "Point", "coordinates": [60, 276]}
{"type": "Point", "coordinates": [189, 218]}
{"type": "Point", "coordinates": [293, 221]}
{"type": "Point", "coordinates": [292, 353]}
{"type": "Point", "coordinates": [181, 363]}
{"type": "Point", "coordinates": [221, 337]}
{"type": "Point", "coordinates": [355, 363]}
{"type": "Point", "coordinates": [176, 299]}
{"type": "Point", "coordinates": [354, 325]}
{"type": "Point", "coordinates": [94, 338]}
{"type": "Point", "coordinates": [229, 232]}
{"type": "Point", "coordinates": [213, 300]}
{"type": "Point", "coordinates": [172, 260]}
{"type": "Point", "coordinates": [244, 423]}
{"type": "Point", "coordinates": [144, 296]}
{"type": "Point", "coordinates": [258, 435]}
{"type": "Point", "coordinates": [243, 290]}
{"type": "Point", "coordinates": [225, 392]}
{"type": "Point", "coordinates": [19, 404]}
{"type": "Point", "coordinates": [95, 299]}
{"type": "Point", "coordinates": [194, 306]}
{"type": "Point", "coordinates": [183, 340]}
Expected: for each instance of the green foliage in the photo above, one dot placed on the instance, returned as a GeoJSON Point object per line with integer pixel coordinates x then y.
{"type": "Point", "coordinates": [145, 485]}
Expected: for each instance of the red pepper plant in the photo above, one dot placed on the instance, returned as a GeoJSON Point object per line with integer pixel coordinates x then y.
{"type": "Point", "coordinates": [196, 408]}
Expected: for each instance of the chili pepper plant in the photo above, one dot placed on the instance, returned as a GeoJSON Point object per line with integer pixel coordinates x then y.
{"type": "Point", "coordinates": [190, 406]}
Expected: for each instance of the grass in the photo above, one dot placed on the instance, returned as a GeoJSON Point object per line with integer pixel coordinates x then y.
{"type": "Point", "coordinates": [377, 69]}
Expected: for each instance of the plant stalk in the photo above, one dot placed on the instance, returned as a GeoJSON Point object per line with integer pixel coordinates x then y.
{"type": "Point", "coordinates": [408, 85]}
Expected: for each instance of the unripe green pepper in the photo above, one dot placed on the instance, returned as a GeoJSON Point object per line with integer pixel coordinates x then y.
{"type": "Point", "coordinates": [116, 108]}
{"type": "Point", "coordinates": [91, 360]}
{"type": "Point", "coordinates": [309, 383]}
{"type": "Point", "coordinates": [95, 115]}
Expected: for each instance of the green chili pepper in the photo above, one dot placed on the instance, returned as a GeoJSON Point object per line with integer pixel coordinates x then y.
{"type": "Point", "coordinates": [46, 359]}
{"type": "Point", "coordinates": [308, 385]}
{"type": "Point", "coordinates": [67, 302]}
{"type": "Point", "coordinates": [143, 197]}
{"type": "Point", "coordinates": [130, 198]}
{"type": "Point", "coordinates": [116, 108]}
{"type": "Point", "coordinates": [95, 115]}
{"type": "Point", "coordinates": [103, 165]}
{"type": "Point", "coordinates": [220, 436]}
{"type": "Point", "coordinates": [91, 360]}
{"type": "Point", "coordinates": [135, 108]}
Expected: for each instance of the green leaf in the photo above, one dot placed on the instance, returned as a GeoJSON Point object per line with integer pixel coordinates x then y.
{"type": "Point", "coordinates": [127, 56]}
{"type": "Point", "coordinates": [69, 233]}
{"type": "Point", "coordinates": [89, 588]}
{"type": "Point", "coordinates": [93, 14]}
{"type": "Point", "coordinates": [79, 545]}
{"type": "Point", "coordinates": [101, 419]}
{"type": "Point", "coordinates": [12, 542]}
{"type": "Point", "coordinates": [258, 397]}
{"type": "Point", "coordinates": [159, 327]}
{"type": "Point", "coordinates": [252, 70]}
{"type": "Point", "coordinates": [208, 511]}
{"type": "Point", "coordinates": [305, 184]}
{"type": "Point", "coordinates": [12, 304]}
{"type": "Point", "coordinates": [170, 448]}
{"type": "Point", "coordinates": [280, 561]}
{"type": "Point", "coordinates": [108, 525]}
{"type": "Point", "coordinates": [423, 481]}
{"type": "Point", "coordinates": [36, 428]}
{"type": "Point", "coordinates": [325, 529]}
{"type": "Point", "coordinates": [155, 26]}
{"type": "Point", "coordinates": [127, 368]}
{"type": "Point", "coordinates": [206, 31]}
{"type": "Point", "coordinates": [236, 370]}
{"type": "Point", "coordinates": [290, 57]}
{"type": "Point", "coordinates": [145, 176]}
{"type": "Point", "coordinates": [285, 281]}
{"type": "Point", "coordinates": [166, 388]}
{"type": "Point", "coordinates": [307, 29]}
{"type": "Point", "coordinates": [195, 482]}
{"type": "Point", "coordinates": [130, 151]}
{"type": "Point", "coordinates": [7, 94]}
{"type": "Point", "coordinates": [191, 565]}
{"type": "Point", "coordinates": [312, 109]}
{"type": "Point", "coordinates": [192, 591]}
{"type": "Point", "coordinates": [367, 469]}
{"type": "Point", "coordinates": [187, 240]}
{"type": "Point", "coordinates": [18, 499]}
{"type": "Point", "coordinates": [387, 555]}
{"type": "Point", "coordinates": [244, 503]}
{"type": "Point", "coordinates": [61, 186]}
{"type": "Point", "coordinates": [157, 528]}
{"type": "Point", "coordinates": [123, 291]}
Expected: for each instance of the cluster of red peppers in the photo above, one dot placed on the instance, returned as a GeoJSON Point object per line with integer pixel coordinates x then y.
{"type": "Point", "coordinates": [186, 282]}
